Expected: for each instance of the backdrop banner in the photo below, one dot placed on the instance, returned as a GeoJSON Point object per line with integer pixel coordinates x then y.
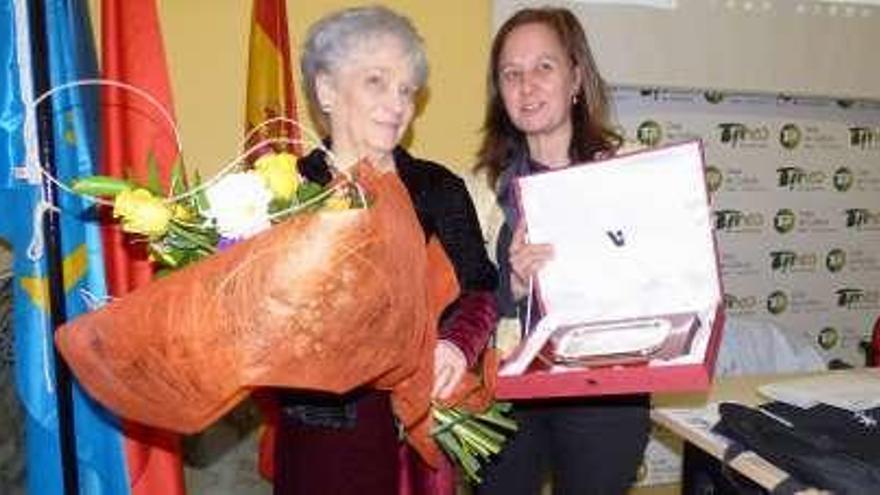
{"type": "Point", "coordinates": [795, 187]}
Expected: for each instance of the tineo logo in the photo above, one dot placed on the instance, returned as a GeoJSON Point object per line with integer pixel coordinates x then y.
{"type": "Point", "coordinates": [789, 136]}
{"type": "Point", "coordinates": [784, 261]}
{"type": "Point", "coordinates": [734, 133]}
{"type": "Point", "coordinates": [857, 218]}
{"type": "Point", "coordinates": [784, 221]}
{"type": "Point", "coordinates": [729, 219]}
{"type": "Point", "coordinates": [835, 260]}
{"type": "Point", "coordinates": [649, 133]}
{"type": "Point", "coordinates": [792, 177]}
{"type": "Point", "coordinates": [854, 298]}
{"type": "Point", "coordinates": [828, 338]}
{"type": "Point", "coordinates": [864, 137]}
{"type": "Point", "coordinates": [777, 302]}
{"type": "Point", "coordinates": [737, 304]}
{"type": "Point", "coordinates": [842, 179]}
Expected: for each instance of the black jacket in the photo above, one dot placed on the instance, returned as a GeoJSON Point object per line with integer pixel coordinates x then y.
{"type": "Point", "coordinates": [444, 208]}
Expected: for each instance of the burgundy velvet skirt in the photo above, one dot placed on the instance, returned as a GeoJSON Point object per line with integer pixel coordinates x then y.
{"type": "Point", "coordinates": [353, 452]}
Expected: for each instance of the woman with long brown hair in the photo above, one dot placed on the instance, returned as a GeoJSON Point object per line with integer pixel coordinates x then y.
{"type": "Point", "coordinates": [548, 109]}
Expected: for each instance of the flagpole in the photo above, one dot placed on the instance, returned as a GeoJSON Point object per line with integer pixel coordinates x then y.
{"type": "Point", "coordinates": [52, 235]}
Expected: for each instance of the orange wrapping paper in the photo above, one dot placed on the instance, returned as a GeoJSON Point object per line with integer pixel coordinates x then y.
{"type": "Point", "coordinates": [324, 301]}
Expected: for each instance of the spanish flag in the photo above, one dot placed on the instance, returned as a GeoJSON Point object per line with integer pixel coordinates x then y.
{"type": "Point", "coordinates": [270, 95]}
{"type": "Point", "coordinates": [270, 91]}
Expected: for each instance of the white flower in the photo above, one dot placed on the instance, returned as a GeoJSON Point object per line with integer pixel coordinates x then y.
{"type": "Point", "coordinates": [239, 205]}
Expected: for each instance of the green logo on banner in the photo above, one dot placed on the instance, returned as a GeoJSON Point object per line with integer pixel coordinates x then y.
{"type": "Point", "coordinates": [777, 302]}
{"type": "Point", "coordinates": [828, 338]}
{"type": "Point", "coordinates": [784, 221]}
{"type": "Point", "coordinates": [849, 297]}
{"type": "Point", "coordinates": [649, 133]}
{"type": "Point", "coordinates": [843, 179]}
{"type": "Point", "coordinates": [835, 260]}
{"type": "Point", "coordinates": [739, 304]}
{"type": "Point", "coordinates": [864, 137]}
{"type": "Point", "coordinates": [734, 133]}
{"type": "Point", "coordinates": [793, 177]}
{"type": "Point", "coordinates": [856, 218]}
{"type": "Point", "coordinates": [714, 179]}
{"type": "Point", "coordinates": [790, 136]}
{"type": "Point", "coordinates": [729, 220]}
{"type": "Point", "coordinates": [784, 261]}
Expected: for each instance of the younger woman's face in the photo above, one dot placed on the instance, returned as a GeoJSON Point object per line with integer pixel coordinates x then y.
{"type": "Point", "coordinates": [537, 80]}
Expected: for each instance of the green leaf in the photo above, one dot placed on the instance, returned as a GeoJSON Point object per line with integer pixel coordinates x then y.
{"type": "Point", "coordinates": [201, 198]}
{"type": "Point", "coordinates": [470, 439]}
{"type": "Point", "coordinates": [178, 178]}
{"type": "Point", "coordinates": [191, 240]}
{"type": "Point", "coordinates": [485, 431]}
{"type": "Point", "coordinates": [308, 190]}
{"type": "Point", "coordinates": [495, 416]}
{"type": "Point", "coordinates": [102, 185]}
{"type": "Point", "coordinates": [164, 257]}
{"type": "Point", "coordinates": [154, 184]}
{"type": "Point", "coordinates": [461, 455]}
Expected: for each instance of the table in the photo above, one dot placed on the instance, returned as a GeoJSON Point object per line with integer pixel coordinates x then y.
{"type": "Point", "coordinates": [691, 418]}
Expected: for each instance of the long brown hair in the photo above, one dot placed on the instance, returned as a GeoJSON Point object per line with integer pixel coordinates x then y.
{"type": "Point", "coordinates": [591, 135]}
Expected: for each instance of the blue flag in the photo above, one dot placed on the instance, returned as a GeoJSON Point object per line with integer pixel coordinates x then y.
{"type": "Point", "coordinates": [71, 57]}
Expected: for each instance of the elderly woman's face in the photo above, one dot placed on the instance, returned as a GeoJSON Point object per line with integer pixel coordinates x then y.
{"type": "Point", "coordinates": [370, 98]}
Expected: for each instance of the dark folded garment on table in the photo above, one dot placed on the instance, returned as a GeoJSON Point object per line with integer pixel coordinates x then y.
{"type": "Point", "coordinates": [823, 446]}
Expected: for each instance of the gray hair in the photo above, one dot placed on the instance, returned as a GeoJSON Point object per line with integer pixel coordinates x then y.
{"type": "Point", "coordinates": [332, 39]}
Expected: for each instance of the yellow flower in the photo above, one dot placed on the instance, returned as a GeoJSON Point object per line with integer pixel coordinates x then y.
{"type": "Point", "coordinates": [182, 212]}
{"type": "Point", "coordinates": [279, 172]}
{"type": "Point", "coordinates": [337, 202]}
{"type": "Point", "coordinates": [141, 212]}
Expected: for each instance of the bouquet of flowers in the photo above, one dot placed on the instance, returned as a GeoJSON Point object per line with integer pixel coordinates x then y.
{"type": "Point", "coordinates": [194, 224]}
{"type": "Point", "coordinates": [272, 280]}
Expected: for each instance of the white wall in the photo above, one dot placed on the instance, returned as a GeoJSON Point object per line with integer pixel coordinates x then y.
{"type": "Point", "coordinates": [803, 47]}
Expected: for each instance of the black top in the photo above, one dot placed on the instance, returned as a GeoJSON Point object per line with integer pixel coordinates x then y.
{"type": "Point", "coordinates": [444, 208]}
{"type": "Point", "coordinates": [520, 165]}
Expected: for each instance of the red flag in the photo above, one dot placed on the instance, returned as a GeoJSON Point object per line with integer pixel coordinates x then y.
{"type": "Point", "coordinates": [270, 82]}
{"type": "Point", "coordinates": [136, 131]}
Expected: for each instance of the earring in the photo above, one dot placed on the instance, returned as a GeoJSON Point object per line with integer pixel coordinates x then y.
{"type": "Point", "coordinates": [326, 108]}
{"type": "Point", "coordinates": [574, 99]}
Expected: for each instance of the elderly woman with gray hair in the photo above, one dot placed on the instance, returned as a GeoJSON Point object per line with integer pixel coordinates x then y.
{"type": "Point", "coordinates": [363, 69]}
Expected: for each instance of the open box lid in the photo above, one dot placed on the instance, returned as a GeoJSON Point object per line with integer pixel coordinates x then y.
{"type": "Point", "coordinates": [633, 242]}
{"type": "Point", "coordinates": [632, 236]}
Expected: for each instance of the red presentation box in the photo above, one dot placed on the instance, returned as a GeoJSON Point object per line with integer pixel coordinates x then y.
{"type": "Point", "coordinates": [632, 299]}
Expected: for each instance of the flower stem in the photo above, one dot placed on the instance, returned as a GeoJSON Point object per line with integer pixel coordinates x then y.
{"type": "Point", "coordinates": [199, 241]}
{"type": "Point", "coordinates": [469, 438]}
